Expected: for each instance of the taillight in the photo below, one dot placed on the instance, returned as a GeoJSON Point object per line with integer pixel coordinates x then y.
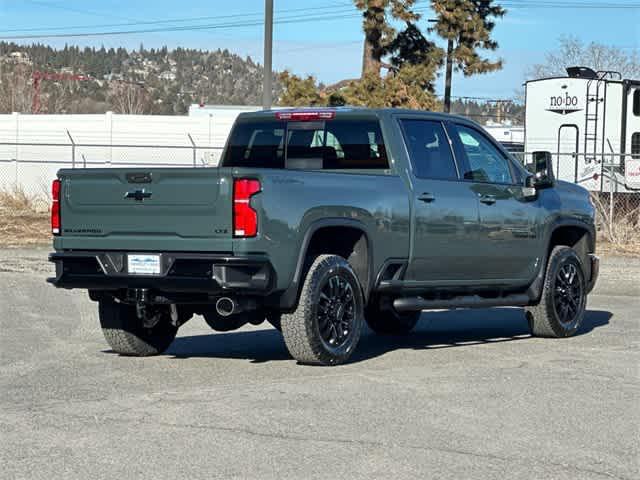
{"type": "Point", "coordinates": [55, 207]}
{"type": "Point", "coordinates": [245, 218]}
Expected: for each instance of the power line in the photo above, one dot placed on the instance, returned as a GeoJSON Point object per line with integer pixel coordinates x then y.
{"type": "Point", "coordinates": [333, 15]}
{"type": "Point", "coordinates": [134, 23]}
{"type": "Point", "coordinates": [215, 26]}
{"type": "Point", "coordinates": [74, 10]}
{"type": "Point", "coordinates": [569, 4]}
{"type": "Point", "coordinates": [299, 18]}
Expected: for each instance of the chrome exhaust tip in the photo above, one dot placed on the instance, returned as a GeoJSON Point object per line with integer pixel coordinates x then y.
{"type": "Point", "coordinates": [226, 306]}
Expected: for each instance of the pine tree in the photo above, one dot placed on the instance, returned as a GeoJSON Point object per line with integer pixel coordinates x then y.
{"type": "Point", "coordinates": [378, 32]}
{"type": "Point", "coordinates": [412, 70]}
{"type": "Point", "coordinates": [299, 91]}
{"type": "Point", "coordinates": [466, 25]}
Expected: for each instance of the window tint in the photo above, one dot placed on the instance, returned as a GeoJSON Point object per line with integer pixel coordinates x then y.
{"type": "Point", "coordinates": [429, 148]}
{"type": "Point", "coordinates": [354, 144]}
{"type": "Point", "coordinates": [256, 144]}
{"type": "Point", "coordinates": [635, 145]}
{"type": "Point", "coordinates": [636, 102]}
{"type": "Point", "coordinates": [486, 162]}
{"type": "Point", "coordinates": [334, 144]}
{"type": "Point", "coordinates": [305, 145]}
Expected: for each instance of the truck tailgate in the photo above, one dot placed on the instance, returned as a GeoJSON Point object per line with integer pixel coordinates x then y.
{"type": "Point", "coordinates": [179, 209]}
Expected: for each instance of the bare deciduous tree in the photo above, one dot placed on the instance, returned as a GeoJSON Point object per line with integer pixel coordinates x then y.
{"type": "Point", "coordinates": [573, 52]}
{"type": "Point", "coordinates": [129, 98]}
{"type": "Point", "coordinates": [16, 92]}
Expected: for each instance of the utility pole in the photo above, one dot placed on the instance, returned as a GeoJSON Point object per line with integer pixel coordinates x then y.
{"type": "Point", "coordinates": [448, 77]}
{"type": "Point", "coordinates": [267, 88]}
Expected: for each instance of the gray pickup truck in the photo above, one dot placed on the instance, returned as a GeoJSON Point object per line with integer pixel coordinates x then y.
{"type": "Point", "coordinates": [320, 220]}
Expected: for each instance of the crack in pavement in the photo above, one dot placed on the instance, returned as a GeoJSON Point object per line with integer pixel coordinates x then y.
{"type": "Point", "coordinates": [359, 442]}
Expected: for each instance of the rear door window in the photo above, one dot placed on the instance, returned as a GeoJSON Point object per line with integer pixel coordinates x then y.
{"type": "Point", "coordinates": [316, 145]}
{"type": "Point", "coordinates": [428, 146]}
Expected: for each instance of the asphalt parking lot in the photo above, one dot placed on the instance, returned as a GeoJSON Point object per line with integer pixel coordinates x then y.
{"type": "Point", "coordinates": [469, 395]}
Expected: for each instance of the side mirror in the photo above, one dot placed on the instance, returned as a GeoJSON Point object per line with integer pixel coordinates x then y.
{"type": "Point", "coordinates": [542, 171]}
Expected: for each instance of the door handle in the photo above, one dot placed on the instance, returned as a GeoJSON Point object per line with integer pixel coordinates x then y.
{"type": "Point", "coordinates": [488, 199]}
{"type": "Point", "coordinates": [426, 197]}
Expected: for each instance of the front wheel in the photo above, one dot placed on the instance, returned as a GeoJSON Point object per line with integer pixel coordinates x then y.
{"type": "Point", "coordinates": [326, 326]}
{"type": "Point", "coordinates": [564, 296]}
{"type": "Point", "coordinates": [127, 334]}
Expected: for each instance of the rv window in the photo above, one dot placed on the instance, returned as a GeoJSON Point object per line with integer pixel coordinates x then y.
{"type": "Point", "coordinates": [636, 102]}
{"type": "Point", "coordinates": [635, 145]}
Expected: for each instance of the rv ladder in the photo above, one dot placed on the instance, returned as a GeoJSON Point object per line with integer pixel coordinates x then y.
{"type": "Point", "coordinates": [592, 111]}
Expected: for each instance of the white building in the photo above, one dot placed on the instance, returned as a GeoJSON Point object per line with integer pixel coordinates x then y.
{"type": "Point", "coordinates": [586, 120]}
{"type": "Point", "coordinates": [511, 137]}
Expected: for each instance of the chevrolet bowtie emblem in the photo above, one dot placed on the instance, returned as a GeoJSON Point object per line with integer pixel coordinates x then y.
{"type": "Point", "coordinates": [138, 195]}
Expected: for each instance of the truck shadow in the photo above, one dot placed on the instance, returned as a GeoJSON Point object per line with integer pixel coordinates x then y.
{"type": "Point", "coordinates": [436, 330]}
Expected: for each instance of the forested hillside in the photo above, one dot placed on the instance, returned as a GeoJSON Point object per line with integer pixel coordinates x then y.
{"type": "Point", "coordinates": [142, 81]}
{"type": "Point", "coordinates": [155, 81]}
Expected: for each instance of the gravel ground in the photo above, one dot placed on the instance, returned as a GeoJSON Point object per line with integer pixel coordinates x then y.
{"type": "Point", "coordinates": [469, 395]}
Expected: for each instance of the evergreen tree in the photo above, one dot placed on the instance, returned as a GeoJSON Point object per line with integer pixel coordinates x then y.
{"type": "Point", "coordinates": [378, 32]}
{"type": "Point", "coordinates": [300, 92]}
{"type": "Point", "coordinates": [466, 25]}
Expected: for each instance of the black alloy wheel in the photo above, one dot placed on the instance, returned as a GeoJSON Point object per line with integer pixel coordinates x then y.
{"type": "Point", "coordinates": [326, 326]}
{"type": "Point", "coordinates": [336, 312]}
{"type": "Point", "coordinates": [568, 294]}
{"type": "Point", "coordinates": [563, 299]}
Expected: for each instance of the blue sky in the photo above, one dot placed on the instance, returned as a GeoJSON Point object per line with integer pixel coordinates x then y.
{"type": "Point", "coordinates": [329, 49]}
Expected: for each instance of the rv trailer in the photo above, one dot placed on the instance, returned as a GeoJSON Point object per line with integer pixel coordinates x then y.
{"type": "Point", "coordinates": [590, 122]}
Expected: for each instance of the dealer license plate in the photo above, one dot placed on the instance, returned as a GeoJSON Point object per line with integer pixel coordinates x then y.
{"type": "Point", "coordinates": [138, 264]}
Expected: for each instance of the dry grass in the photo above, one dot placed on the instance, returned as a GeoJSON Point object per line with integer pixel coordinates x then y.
{"type": "Point", "coordinates": [24, 219]}
{"type": "Point", "coordinates": [618, 233]}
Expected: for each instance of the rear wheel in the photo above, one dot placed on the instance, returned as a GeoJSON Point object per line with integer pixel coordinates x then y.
{"type": "Point", "coordinates": [383, 319]}
{"type": "Point", "coordinates": [564, 298]}
{"type": "Point", "coordinates": [326, 326]}
{"type": "Point", "coordinates": [127, 334]}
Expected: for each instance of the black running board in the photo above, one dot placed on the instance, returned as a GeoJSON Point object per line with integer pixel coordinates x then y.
{"type": "Point", "coordinates": [414, 304]}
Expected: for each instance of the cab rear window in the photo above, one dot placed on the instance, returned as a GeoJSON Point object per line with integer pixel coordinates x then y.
{"type": "Point", "coordinates": [311, 145]}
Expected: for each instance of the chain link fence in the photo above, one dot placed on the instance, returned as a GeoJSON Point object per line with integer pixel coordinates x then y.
{"type": "Point", "coordinates": [616, 199]}
{"type": "Point", "coordinates": [26, 171]}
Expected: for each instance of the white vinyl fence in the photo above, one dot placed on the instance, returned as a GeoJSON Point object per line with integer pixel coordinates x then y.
{"type": "Point", "coordinates": [34, 147]}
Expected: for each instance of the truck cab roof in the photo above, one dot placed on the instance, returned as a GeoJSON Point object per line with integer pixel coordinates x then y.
{"type": "Point", "coordinates": [349, 111]}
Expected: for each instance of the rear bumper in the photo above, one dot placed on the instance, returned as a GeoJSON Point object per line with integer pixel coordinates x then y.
{"type": "Point", "coordinates": [180, 272]}
{"type": "Point", "coordinates": [595, 270]}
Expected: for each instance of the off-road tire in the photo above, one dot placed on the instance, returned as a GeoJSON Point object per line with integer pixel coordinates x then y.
{"type": "Point", "coordinates": [301, 329]}
{"type": "Point", "coordinates": [385, 320]}
{"type": "Point", "coordinates": [125, 332]}
{"type": "Point", "coordinates": [275, 319]}
{"type": "Point", "coordinates": [544, 318]}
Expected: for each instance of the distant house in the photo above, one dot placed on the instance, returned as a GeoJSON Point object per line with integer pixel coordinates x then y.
{"type": "Point", "coordinates": [19, 57]}
{"type": "Point", "coordinates": [167, 76]}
